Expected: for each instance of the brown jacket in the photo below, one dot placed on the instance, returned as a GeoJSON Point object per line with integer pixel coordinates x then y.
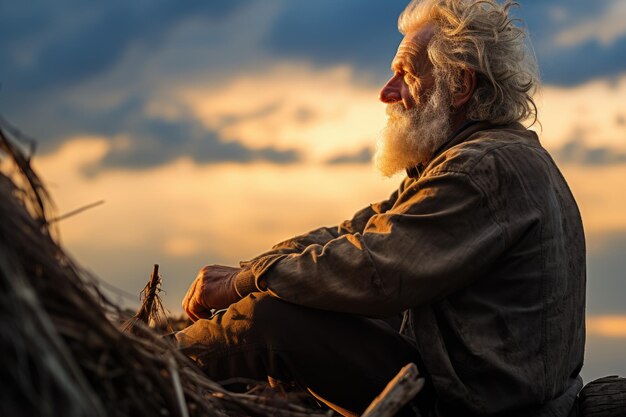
{"type": "Point", "coordinates": [486, 251]}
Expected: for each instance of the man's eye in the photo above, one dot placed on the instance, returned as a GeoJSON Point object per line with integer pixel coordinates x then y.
{"type": "Point", "coordinates": [408, 77]}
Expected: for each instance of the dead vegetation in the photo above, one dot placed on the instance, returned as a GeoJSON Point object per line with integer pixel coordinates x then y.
{"type": "Point", "coordinates": [62, 354]}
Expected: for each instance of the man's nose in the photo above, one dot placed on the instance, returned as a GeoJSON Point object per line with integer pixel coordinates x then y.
{"type": "Point", "coordinates": [390, 93]}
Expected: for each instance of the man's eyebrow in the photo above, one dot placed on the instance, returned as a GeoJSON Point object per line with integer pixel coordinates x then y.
{"type": "Point", "coordinates": [406, 56]}
{"type": "Point", "coordinates": [396, 65]}
{"type": "Point", "coordinates": [402, 64]}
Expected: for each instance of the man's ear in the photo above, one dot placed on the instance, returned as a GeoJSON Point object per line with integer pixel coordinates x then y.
{"type": "Point", "coordinates": [466, 88]}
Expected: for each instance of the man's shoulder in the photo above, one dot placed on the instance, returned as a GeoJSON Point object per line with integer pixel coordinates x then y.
{"type": "Point", "coordinates": [498, 148]}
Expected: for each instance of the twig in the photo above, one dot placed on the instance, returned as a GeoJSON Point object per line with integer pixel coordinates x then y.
{"type": "Point", "coordinates": [240, 380]}
{"type": "Point", "coordinates": [75, 212]}
{"type": "Point", "coordinates": [178, 389]}
{"type": "Point", "coordinates": [151, 308]}
{"type": "Point", "coordinates": [151, 294]}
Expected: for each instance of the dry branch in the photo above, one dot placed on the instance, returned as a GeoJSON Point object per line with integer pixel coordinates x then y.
{"type": "Point", "coordinates": [151, 310]}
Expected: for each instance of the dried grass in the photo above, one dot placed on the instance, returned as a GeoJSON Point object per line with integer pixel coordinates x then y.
{"type": "Point", "coordinates": [62, 354]}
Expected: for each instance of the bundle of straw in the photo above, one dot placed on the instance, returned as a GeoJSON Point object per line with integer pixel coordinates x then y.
{"type": "Point", "coordinates": [61, 353]}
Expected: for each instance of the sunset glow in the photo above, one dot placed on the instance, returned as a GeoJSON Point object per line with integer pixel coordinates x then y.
{"type": "Point", "coordinates": [607, 326]}
{"type": "Point", "coordinates": [218, 132]}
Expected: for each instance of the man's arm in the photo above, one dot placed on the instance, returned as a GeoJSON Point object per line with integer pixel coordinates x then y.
{"type": "Point", "coordinates": [323, 235]}
{"type": "Point", "coordinates": [438, 238]}
{"type": "Point", "coordinates": [218, 286]}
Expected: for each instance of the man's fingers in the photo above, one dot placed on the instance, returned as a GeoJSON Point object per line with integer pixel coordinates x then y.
{"type": "Point", "coordinates": [191, 316]}
{"type": "Point", "coordinates": [194, 309]}
{"type": "Point", "coordinates": [190, 293]}
{"type": "Point", "coordinates": [210, 289]}
{"type": "Point", "coordinates": [190, 309]}
{"type": "Point", "coordinates": [197, 311]}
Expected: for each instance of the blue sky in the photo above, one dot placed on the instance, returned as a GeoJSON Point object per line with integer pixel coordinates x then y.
{"type": "Point", "coordinates": [124, 97]}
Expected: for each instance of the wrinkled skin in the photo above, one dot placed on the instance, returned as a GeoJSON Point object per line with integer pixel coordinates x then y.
{"type": "Point", "coordinates": [413, 78]}
{"type": "Point", "coordinates": [213, 288]}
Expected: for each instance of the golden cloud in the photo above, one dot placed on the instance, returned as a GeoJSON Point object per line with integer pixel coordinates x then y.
{"type": "Point", "coordinates": [607, 326]}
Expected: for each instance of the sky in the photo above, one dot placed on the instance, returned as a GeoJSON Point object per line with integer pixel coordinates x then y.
{"type": "Point", "coordinates": [213, 130]}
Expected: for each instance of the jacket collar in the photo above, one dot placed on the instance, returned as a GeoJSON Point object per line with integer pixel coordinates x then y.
{"type": "Point", "coordinates": [460, 135]}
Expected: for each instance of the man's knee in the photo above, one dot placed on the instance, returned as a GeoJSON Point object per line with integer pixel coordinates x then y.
{"type": "Point", "coordinates": [276, 320]}
{"type": "Point", "coordinates": [256, 319]}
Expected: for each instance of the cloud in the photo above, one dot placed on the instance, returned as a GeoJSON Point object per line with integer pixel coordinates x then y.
{"type": "Point", "coordinates": [587, 61]}
{"type": "Point", "coordinates": [154, 48]}
{"type": "Point", "coordinates": [606, 28]}
{"type": "Point", "coordinates": [364, 156]}
{"type": "Point", "coordinates": [607, 326]}
{"type": "Point", "coordinates": [329, 33]}
{"type": "Point", "coordinates": [591, 112]}
{"type": "Point", "coordinates": [273, 80]}
{"type": "Point", "coordinates": [139, 137]}
{"type": "Point", "coordinates": [73, 67]}
{"type": "Point", "coordinates": [578, 152]}
{"type": "Point", "coordinates": [605, 346]}
{"type": "Point", "coordinates": [57, 44]}
{"type": "Point", "coordinates": [320, 112]}
{"type": "Point", "coordinates": [567, 50]}
{"type": "Point", "coordinates": [596, 189]}
{"type": "Point", "coordinates": [364, 36]}
{"type": "Point", "coordinates": [62, 44]}
{"type": "Point", "coordinates": [282, 114]}
{"type": "Point", "coordinates": [153, 142]}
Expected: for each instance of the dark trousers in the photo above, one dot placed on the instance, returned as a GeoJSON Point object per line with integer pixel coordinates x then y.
{"type": "Point", "coordinates": [345, 360]}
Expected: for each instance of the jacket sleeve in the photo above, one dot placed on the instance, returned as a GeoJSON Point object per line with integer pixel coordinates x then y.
{"type": "Point", "coordinates": [323, 235]}
{"type": "Point", "coordinates": [439, 236]}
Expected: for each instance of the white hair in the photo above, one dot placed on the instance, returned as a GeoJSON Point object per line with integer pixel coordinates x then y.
{"type": "Point", "coordinates": [412, 137]}
{"type": "Point", "coordinates": [479, 35]}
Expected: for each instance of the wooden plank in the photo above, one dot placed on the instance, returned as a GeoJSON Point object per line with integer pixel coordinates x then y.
{"type": "Point", "coordinates": [398, 392]}
{"type": "Point", "coordinates": [604, 397]}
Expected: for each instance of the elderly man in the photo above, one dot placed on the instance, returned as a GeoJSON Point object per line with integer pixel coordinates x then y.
{"type": "Point", "coordinates": [481, 249]}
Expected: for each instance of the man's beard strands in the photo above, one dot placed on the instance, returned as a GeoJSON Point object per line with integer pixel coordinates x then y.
{"type": "Point", "coordinates": [412, 136]}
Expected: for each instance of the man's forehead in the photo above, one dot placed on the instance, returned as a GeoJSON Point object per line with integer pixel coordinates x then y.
{"type": "Point", "coordinates": [414, 44]}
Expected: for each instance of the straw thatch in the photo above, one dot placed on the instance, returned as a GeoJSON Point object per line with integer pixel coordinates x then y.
{"type": "Point", "coordinates": [61, 354]}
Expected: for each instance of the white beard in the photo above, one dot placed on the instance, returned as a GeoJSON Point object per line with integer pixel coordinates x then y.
{"type": "Point", "coordinates": [411, 137]}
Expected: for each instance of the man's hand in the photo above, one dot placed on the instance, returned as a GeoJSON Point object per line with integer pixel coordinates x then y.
{"type": "Point", "coordinates": [214, 287]}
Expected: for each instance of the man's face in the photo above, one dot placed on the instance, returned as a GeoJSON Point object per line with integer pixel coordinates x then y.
{"type": "Point", "coordinates": [418, 107]}
{"type": "Point", "coordinates": [412, 76]}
